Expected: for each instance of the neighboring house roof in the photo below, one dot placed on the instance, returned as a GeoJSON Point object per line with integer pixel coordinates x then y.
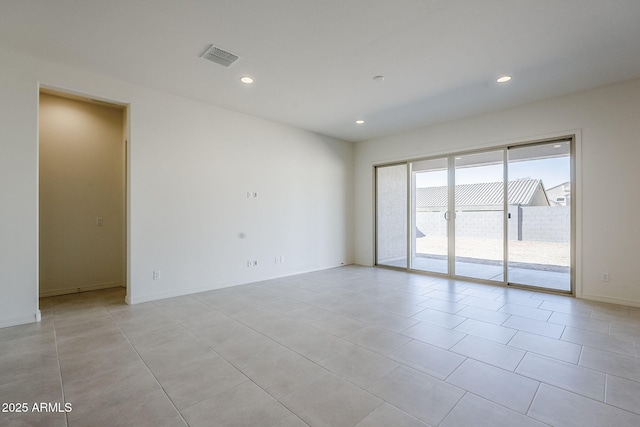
{"type": "Point", "coordinates": [521, 192]}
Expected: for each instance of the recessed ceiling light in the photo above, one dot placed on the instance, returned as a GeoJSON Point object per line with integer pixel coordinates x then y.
{"type": "Point", "coordinates": [246, 80]}
{"type": "Point", "coordinates": [359, 122]}
{"type": "Point", "coordinates": [503, 79]}
{"type": "Point", "coordinates": [557, 146]}
{"type": "Point", "coordinates": [458, 158]}
{"type": "Point", "coordinates": [378, 78]}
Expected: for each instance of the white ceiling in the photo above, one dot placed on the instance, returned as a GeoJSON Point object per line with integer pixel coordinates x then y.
{"type": "Point", "coordinates": [313, 60]}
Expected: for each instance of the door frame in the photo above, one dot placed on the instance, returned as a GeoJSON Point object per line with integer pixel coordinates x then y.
{"type": "Point", "coordinates": [126, 106]}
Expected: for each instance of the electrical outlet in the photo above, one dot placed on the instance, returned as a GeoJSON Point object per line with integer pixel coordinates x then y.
{"type": "Point", "coordinates": [99, 222]}
{"type": "Point", "coordinates": [604, 277]}
{"type": "Point", "coordinates": [157, 275]}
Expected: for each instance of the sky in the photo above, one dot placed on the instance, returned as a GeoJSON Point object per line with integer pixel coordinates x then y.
{"type": "Point", "coordinates": [552, 171]}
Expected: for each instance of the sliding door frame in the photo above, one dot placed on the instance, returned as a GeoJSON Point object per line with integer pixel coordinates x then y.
{"type": "Point", "coordinates": [575, 240]}
{"type": "Point", "coordinates": [573, 165]}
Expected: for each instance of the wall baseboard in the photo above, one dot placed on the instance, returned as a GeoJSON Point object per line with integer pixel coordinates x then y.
{"type": "Point", "coordinates": [5, 323]}
{"type": "Point", "coordinates": [66, 291]}
{"type": "Point", "coordinates": [618, 301]}
{"type": "Point", "coordinates": [181, 292]}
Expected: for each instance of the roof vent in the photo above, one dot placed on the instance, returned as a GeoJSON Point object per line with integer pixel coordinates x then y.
{"type": "Point", "coordinates": [219, 56]}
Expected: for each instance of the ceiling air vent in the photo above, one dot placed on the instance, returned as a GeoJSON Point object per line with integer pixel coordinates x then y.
{"type": "Point", "coordinates": [219, 56]}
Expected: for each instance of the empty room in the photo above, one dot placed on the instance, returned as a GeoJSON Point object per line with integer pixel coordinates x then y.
{"type": "Point", "coordinates": [319, 213]}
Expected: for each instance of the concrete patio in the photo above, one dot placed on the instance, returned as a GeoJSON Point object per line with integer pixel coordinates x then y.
{"type": "Point", "coordinates": [539, 264]}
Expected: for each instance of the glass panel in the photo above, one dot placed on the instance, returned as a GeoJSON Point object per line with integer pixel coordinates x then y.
{"type": "Point", "coordinates": [391, 215]}
{"type": "Point", "coordinates": [479, 215]}
{"type": "Point", "coordinates": [429, 242]}
{"type": "Point", "coordinates": [540, 210]}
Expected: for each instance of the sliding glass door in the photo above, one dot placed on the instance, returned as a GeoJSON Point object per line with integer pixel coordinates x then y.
{"type": "Point", "coordinates": [479, 215]}
{"type": "Point", "coordinates": [540, 223]}
{"type": "Point", "coordinates": [502, 215]}
{"type": "Point", "coordinates": [430, 205]}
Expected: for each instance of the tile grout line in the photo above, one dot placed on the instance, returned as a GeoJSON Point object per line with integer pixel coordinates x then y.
{"type": "Point", "coordinates": [55, 339]}
{"type": "Point", "coordinates": [148, 369]}
{"type": "Point", "coordinates": [533, 399]}
{"type": "Point", "coordinates": [249, 379]}
{"type": "Point", "coordinates": [454, 406]}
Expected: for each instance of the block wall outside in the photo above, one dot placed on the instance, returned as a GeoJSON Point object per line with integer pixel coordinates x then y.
{"type": "Point", "coordinates": [539, 223]}
{"type": "Point", "coordinates": [391, 213]}
{"type": "Point", "coordinates": [546, 223]}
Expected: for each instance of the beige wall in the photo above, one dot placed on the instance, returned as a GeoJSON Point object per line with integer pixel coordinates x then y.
{"type": "Point", "coordinates": [81, 179]}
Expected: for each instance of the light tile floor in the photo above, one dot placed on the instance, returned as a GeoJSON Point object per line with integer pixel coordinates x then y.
{"type": "Point", "coordinates": [352, 346]}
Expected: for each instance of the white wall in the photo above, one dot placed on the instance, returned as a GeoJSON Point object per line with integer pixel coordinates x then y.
{"type": "Point", "coordinates": [191, 166]}
{"type": "Point", "coordinates": [18, 195]}
{"type": "Point", "coordinates": [606, 120]}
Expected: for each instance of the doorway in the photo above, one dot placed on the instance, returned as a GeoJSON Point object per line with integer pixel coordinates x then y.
{"type": "Point", "coordinates": [82, 194]}
{"type": "Point", "coordinates": [503, 215]}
